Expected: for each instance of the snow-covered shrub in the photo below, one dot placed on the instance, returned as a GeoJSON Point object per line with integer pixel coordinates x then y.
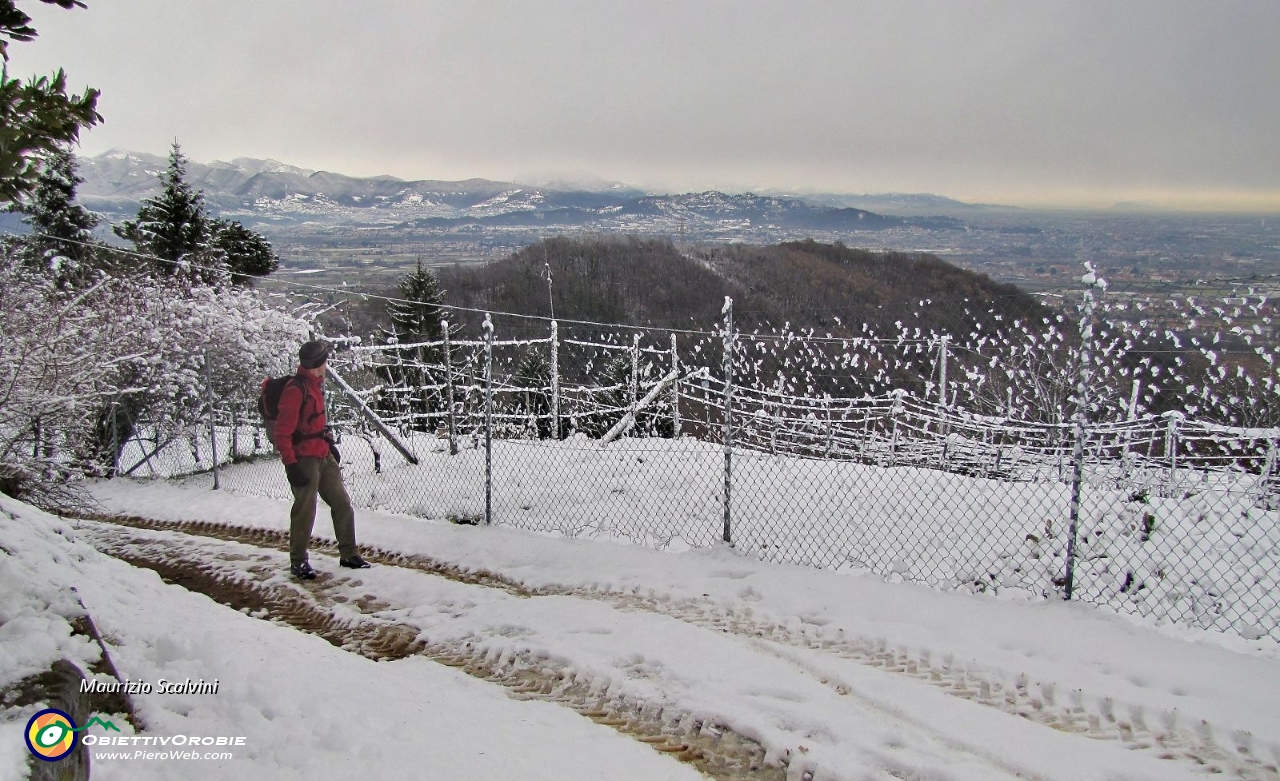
{"type": "Point", "coordinates": [53, 371]}
{"type": "Point", "coordinates": [81, 368]}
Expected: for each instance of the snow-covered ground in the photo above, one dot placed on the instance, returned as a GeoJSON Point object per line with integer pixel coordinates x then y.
{"type": "Point", "coordinates": [839, 675]}
{"type": "Point", "coordinates": [1207, 554]}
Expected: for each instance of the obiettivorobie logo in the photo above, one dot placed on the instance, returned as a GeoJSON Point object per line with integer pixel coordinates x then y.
{"type": "Point", "coordinates": [51, 734]}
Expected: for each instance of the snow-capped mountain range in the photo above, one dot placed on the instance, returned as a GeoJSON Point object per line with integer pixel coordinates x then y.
{"type": "Point", "coordinates": [272, 192]}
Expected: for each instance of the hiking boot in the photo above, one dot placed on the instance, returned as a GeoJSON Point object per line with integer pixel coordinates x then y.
{"type": "Point", "coordinates": [302, 571]}
{"type": "Point", "coordinates": [354, 562]}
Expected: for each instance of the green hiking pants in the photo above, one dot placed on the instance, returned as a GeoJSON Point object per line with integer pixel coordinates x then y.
{"type": "Point", "coordinates": [324, 479]}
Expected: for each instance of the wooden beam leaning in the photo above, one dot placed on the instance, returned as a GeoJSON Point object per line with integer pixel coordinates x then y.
{"type": "Point", "coordinates": [373, 418]}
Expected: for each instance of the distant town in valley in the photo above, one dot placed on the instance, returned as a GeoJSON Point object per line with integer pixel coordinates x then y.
{"type": "Point", "coordinates": [365, 233]}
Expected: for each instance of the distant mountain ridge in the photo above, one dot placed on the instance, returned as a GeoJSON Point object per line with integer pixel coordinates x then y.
{"type": "Point", "coordinates": [904, 204]}
{"type": "Point", "coordinates": [132, 176]}
{"type": "Point", "coordinates": [275, 193]}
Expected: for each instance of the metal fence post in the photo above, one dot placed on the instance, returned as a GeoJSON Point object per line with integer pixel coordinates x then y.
{"type": "Point", "coordinates": [213, 430]}
{"type": "Point", "coordinates": [773, 426]}
{"type": "Point", "coordinates": [1171, 448]}
{"type": "Point", "coordinates": [895, 411]}
{"type": "Point", "coordinates": [488, 419]}
{"type": "Point", "coordinates": [728, 417]}
{"type": "Point", "coordinates": [555, 380]}
{"type": "Point", "coordinates": [1126, 457]}
{"type": "Point", "coordinates": [448, 388]}
{"type": "Point", "coordinates": [403, 408]}
{"type": "Point", "coordinates": [831, 434]}
{"type": "Point", "coordinates": [675, 391]}
{"type": "Point", "coordinates": [1077, 477]}
{"type": "Point", "coordinates": [944, 426]}
{"type": "Point", "coordinates": [633, 389]}
{"type": "Point", "coordinates": [1082, 411]}
{"type": "Point", "coordinates": [942, 370]}
{"type": "Point", "coordinates": [115, 439]}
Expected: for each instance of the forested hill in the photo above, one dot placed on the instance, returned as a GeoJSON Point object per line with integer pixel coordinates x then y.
{"type": "Point", "coordinates": [833, 288]}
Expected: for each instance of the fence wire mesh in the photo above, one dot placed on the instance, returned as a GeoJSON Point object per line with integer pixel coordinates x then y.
{"type": "Point", "coordinates": [1116, 447]}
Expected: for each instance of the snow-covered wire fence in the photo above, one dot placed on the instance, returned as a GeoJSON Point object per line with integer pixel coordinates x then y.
{"type": "Point", "coordinates": [1032, 459]}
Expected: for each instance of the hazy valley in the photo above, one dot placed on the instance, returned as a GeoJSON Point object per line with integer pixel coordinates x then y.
{"type": "Point", "coordinates": [365, 232]}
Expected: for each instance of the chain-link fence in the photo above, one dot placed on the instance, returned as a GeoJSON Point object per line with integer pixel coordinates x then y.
{"type": "Point", "coordinates": [1117, 448]}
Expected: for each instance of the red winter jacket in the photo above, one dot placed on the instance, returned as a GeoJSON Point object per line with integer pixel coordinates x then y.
{"type": "Point", "coordinates": [302, 435]}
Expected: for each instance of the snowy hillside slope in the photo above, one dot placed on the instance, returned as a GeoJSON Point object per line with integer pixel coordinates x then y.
{"type": "Point", "coordinates": [710, 655]}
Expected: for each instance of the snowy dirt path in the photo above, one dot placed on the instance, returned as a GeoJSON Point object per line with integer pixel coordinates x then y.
{"type": "Point", "coordinates": [880, 711]}
{"type": "Point", "coordinates": [307, 709]}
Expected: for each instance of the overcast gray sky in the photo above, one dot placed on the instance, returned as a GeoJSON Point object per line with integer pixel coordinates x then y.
{"type": "Point", "coordinates": [1058, 102]}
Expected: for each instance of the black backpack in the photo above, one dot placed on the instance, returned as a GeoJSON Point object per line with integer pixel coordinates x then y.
{"type": "Point", "coordinates": [269, 402]}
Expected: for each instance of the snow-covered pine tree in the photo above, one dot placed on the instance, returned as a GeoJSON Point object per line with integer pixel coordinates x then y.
{"type": "Point", "coordinates": [533, 375]}
{"type": "Point", "coordinates": [61, 240]}
{"type": "Point", "coordinates": [246, 253]}
{"type": "Point", "coordinates": [415, 318]}
{"type": "Point", "coordinates": [173, 228]}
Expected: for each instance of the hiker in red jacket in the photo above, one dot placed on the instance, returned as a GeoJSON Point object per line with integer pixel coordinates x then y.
{"type": "Point", "coordinates": [311, 463]}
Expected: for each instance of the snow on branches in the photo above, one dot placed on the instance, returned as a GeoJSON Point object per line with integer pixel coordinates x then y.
{"type": "Point", "coordinates": [81, 368]}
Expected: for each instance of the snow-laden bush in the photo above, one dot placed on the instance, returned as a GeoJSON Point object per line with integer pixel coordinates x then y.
{"type": "Point", "coordinates": [79, 369]}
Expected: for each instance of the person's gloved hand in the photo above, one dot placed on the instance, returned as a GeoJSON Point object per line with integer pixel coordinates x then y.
{"type": "Point", "coordinates": [333, 449]}
{"type": "Point", "coordinates": [296, 476]}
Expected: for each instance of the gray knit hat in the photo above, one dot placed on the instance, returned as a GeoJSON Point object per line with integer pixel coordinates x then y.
{"type": "Point", "coordinates": [314, 353]}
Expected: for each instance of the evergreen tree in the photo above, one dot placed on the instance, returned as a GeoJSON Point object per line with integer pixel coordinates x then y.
{"type": "Point", "coordinates": [61, 239]}
{"type": "Point", "coordinates": [173, 228]}
{"type": "Point", "coordinates": [37, 117]}
{"type": "Point", "coordinates": [652, 421]}
{"type": "Point", "coordinates": [416, 317]}
{"type": "Point", "coordinates": [246, 253]}
{"type": "Point", "coordinates": [533, 375]}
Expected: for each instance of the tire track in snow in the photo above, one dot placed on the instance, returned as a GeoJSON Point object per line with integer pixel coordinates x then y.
{"type": "Point", "coordinates": [252, 584]}
{"type": "Point", "coordinates": [1174, 736]}
{"type": "Point", "coordinates": [716, 749]}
